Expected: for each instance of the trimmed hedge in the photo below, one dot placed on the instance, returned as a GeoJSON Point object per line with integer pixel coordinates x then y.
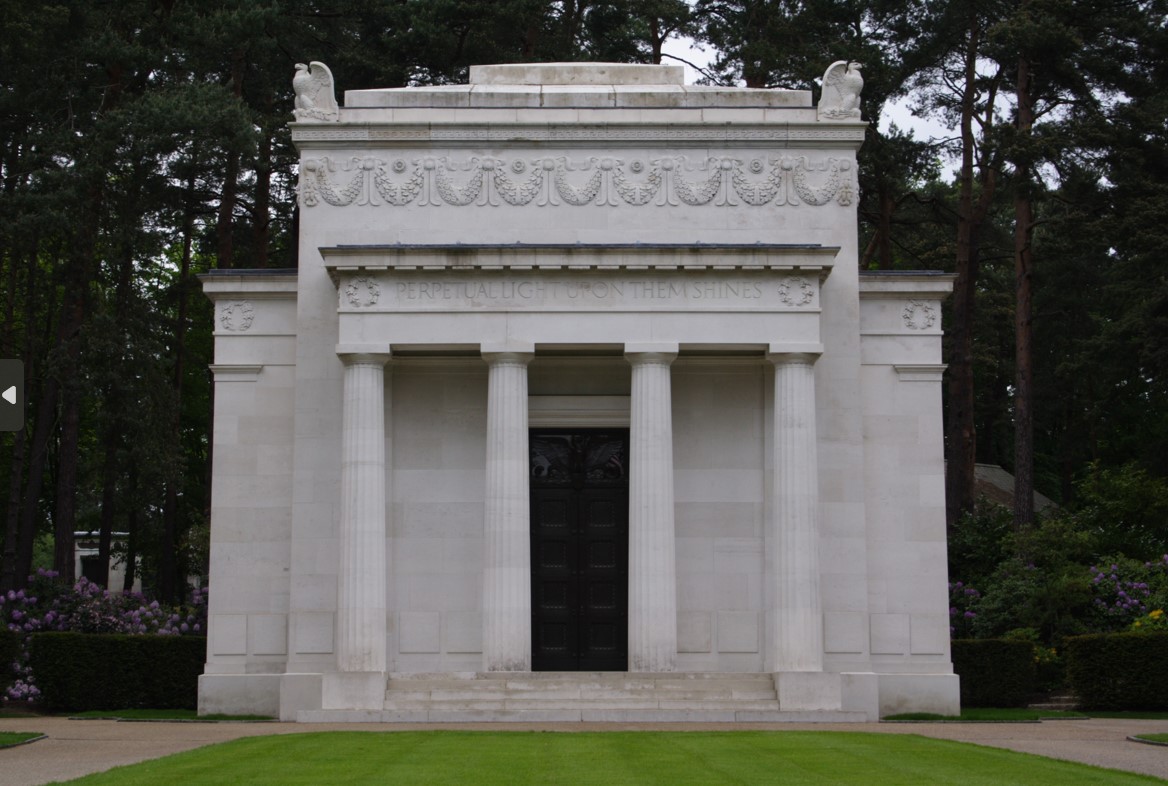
{"type": "Point", "coordinates": [95, 671]}
{"type": "Point", "coordinates": [9, 650]}
{"type": "Point", "coordinates": [1119, 671]}
{"type": "Point", "coordinates": [994, 672]}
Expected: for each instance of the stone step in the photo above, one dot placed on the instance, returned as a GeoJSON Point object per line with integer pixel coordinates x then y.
{"type": "Point", "coordinates": [708, 686]}
{"type": "Point", "coordinates": [577, 715]}
{"type": "Point", "coordinates": [579, 676]}
{"type": "Point", "coordinates": [593, 692]}
{"type": "Point", "coordinates": [583, 694]}
{"type": "Point", "coordinates": [582, 704]}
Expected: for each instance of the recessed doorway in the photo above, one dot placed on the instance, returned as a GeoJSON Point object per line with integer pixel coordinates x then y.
{"type": "Point", "coordinates": [579, 548]}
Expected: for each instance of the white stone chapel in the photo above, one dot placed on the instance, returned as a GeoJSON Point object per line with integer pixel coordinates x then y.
{"type": "Point", "coordinates": [578, 407]}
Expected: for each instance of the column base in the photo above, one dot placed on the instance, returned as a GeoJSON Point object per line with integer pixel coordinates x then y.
{"type": "Point", "coordinates": [881, 695]}
{"type": "Point", "coordinates": [808, 690]}
{"type": "Point", "coordinates": [299, 692]}
{"type": "Point", "coordinates": [353, 690]}
{"type": "Point", "coordinates": [239, 694]}
{"type": "Point", "coordinates": [876, 695]}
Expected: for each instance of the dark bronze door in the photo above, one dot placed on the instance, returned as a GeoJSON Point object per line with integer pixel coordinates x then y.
{"type": "Point", "coordinates": [579, 549]}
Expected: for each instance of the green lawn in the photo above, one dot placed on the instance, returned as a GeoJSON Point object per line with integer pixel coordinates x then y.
{"type": "Point", "coordinates": [613, 758]}
{"type": "Point", "coordinates": [16, 737]}
{"type": "Point", "coordinates": [1154, 737]}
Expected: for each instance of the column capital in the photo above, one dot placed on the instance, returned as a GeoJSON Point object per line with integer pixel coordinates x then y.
{"type": "Point", "coordinates": [804, 354]}
{"type": "Point", "coordinates": [507, 351]}
{"type": "Point", "coordinates": [513, 358]}
{"type": "Point", "coordinates": [365, 354]}
{"type": "Point", "coordinates": [651, 352]}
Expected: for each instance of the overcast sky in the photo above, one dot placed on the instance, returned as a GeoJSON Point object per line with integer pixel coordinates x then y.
{"type": "Point", "coordinates": [899, 112]}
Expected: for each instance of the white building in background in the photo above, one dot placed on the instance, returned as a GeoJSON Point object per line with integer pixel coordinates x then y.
{"type": "Point", "coordinates": [577, 407]}
{"type": "Point", "coordinates": [87, 560]}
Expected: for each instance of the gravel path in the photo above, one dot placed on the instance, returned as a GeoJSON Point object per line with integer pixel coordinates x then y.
{"type": "Point", "coordinates": [76, 748]}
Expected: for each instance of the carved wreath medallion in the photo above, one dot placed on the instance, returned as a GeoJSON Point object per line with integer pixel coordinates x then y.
{"type": "Point", "coordinates": [237, 316]}
{"type": "Point", "coordinates": [796, 292]}
{"type": "Point", "coordinates": [919, 315]}
{"type": "Point", "coordinates": [362, 292]}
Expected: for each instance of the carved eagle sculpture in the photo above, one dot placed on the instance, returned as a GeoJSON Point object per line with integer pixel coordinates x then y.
{"type": "Point", "coordinates": [313, 85]}
{"type": "Point", "coordinates": [842, 84]}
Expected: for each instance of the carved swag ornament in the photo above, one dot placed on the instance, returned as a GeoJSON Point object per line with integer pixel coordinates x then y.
{"type": "Point", "coordinates": [560, 180]}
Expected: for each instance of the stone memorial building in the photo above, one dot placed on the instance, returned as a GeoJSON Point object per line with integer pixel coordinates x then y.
{"type": "Point", "coordinates": [577, 407]}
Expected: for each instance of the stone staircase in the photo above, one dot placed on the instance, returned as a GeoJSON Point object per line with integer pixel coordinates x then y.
{"type": "Point", "coordinates": [548, 697]}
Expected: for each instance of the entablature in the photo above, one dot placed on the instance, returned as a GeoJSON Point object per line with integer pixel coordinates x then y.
{"type": "Point", "coordinates": [809, 259]}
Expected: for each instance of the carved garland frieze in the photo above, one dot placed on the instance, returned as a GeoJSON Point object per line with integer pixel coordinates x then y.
{"type": "Point", "coordinates": [559, 180]}
{"type": "Point", "coordinates": [236, 316]}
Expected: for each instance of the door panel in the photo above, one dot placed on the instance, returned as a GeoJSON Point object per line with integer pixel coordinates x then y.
{"type": "Point", "coordinates": [579, 548]}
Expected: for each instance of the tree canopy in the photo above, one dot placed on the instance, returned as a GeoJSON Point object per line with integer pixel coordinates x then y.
{"type": "Point", "coordinates": [144, 142]}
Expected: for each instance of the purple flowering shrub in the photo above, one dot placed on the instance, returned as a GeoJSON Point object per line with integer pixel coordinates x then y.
{"type": "Point", "coordinates": [963, 600]}
{"type": "Point", "coordinates": [1060, 600]}
{"type": "Point", "coordinates": [1126, 590]}
{"type": "Point", "coordinates": [47, 605]}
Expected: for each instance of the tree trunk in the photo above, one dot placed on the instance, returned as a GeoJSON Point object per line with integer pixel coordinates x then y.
{"type": "Point", "coordinates": [1023, 336]}
{"type": "Point", "coordinates": [64, 520]}
{"type": "Point", "coordinates": [225, 223]}
{"type": "Point", "coordinates": [169, 582]}
{"type": "Point", "coordinates": [884, 227]}
{"type": "Point", "coordinates": [960, 429]}
{"type": "Point", "coordinates": [12, 519]}
{"type": "Point", "coordinates": [38, 453]}
{"type": "Point", "coordinates": [113, 433]}
{"type": "Point", "coordinates": [131, 574]}
{"type": "Point", "coordinates": [263, 198]}
{"type": "Point", "coordinates": [74, 313]}
{"type": "Point", "coordinates": [108, 503]}
{"type": "Point", "coordinates": [8, 567]}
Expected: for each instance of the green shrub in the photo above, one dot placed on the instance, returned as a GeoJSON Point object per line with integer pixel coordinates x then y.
{"type": "Point", "coordinates": [994, 672]}
{"type": "Point", "coordinates": [9, 652]}
{"type": "Point", "coordinates": [88, 671]}
{"type": "Point", "coordinates": [1119, 671]}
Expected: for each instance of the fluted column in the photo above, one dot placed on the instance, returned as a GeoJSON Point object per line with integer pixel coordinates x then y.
{"type": "Point", "coordinates": [361, 595]}
{"type": "Point", "coordinates": [796, 621]}
{"type": "Point", "coordinates": [652, 556]}
{"type": "Point", "coordinates": [507, 527]}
